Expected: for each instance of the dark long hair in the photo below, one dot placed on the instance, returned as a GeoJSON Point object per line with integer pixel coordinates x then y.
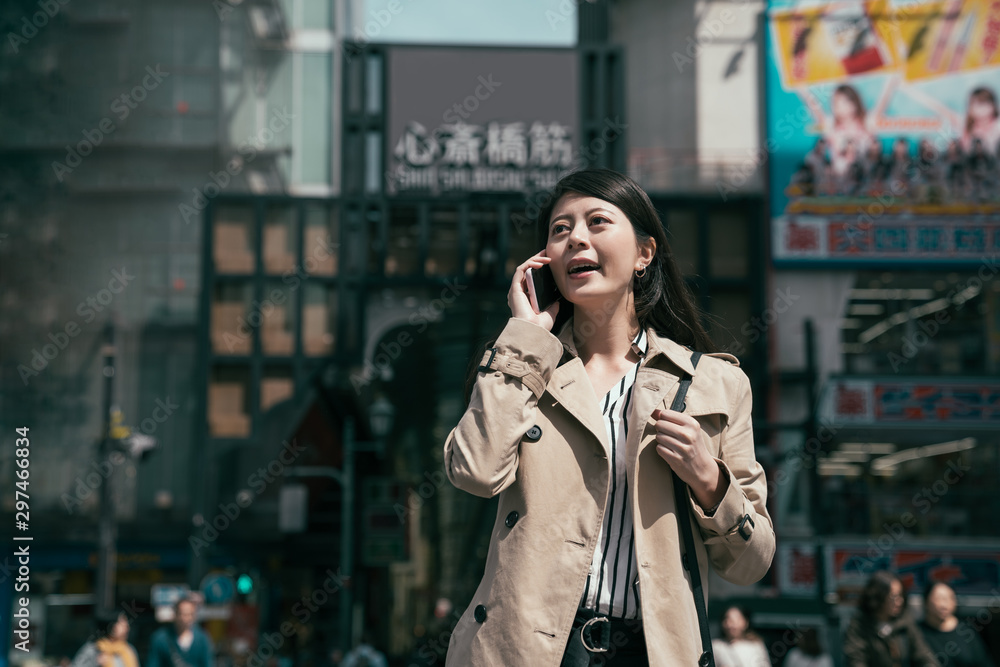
{"type": "Point", "coordinates": [876, 592]}
{"type": "Point", "coordinates": [662, 298]}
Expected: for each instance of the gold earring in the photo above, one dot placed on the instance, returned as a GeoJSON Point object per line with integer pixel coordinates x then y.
{"type": "Point", "coordinates": [640, 275]}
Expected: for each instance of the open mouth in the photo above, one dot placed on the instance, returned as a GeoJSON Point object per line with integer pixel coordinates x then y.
{"type": "Point", "coordinates": [583, 268]}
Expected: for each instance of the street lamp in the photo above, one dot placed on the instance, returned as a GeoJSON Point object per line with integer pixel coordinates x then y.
{"type": "Point", "coordinates": [382, 414]}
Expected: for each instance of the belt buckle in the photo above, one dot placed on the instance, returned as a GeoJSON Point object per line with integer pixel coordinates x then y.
{"type": "Point", "coordinates": [586, 630]}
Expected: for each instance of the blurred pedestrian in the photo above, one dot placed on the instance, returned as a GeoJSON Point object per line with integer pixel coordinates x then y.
{"type": "Point", "coordinates": [953, 643]}
{"type": "Point", "coordinates": [882, 633]}
{"type": "Point", "coordinates": [741, 646]}
{"type": "Point", "coordinates": [181, 644]}
{"type": "Point", "coordinates": [614, 488]}
{"type": "Point", "coordinates": [109, 645]}
{"type": "Point", "coordinates": [808, 652]}
{"type": "Point", "coordinates": [365, 655]}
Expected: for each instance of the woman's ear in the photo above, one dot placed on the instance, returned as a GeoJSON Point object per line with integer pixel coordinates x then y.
{"type": "Point", "coordinates": [647, 250]}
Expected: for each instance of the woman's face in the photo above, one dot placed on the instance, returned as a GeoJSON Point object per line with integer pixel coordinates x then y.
{"type": "Point", "coordinates": [119, 630]}
{"type": "Point", "coordinates": [843, 108]}
{"type": "Point", "coordinates": [893, 604]}
{"type": "Point", "coordinates": [940, 604]}
{"type": "Point", "coordinates": [593, 250]}
{"type": "Point", "coordinates": [982, 111]}
{"type": "Point", "coordinates": [734, 624]}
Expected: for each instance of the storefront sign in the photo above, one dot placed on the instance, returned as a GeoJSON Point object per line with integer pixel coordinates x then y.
{"type": "Point", "coordinates": [894, 402]}
{"type": "Point", "coordinates": [479, 120]}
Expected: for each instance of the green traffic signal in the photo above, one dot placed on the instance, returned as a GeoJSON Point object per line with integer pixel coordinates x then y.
{"type": "Point", "coordinates": [244, 584]}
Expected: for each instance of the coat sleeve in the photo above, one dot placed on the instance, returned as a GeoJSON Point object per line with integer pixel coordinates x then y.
{"type": "Point", "coordinates": [739, 535]}
{"type": "Point", "coordinates": [481, 452]}
{"type": "Point", "coordinates": [855, 646]}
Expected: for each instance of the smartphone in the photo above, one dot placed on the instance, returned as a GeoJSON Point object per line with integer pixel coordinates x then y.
{"type": "Point", "coordinates": [542, 290]}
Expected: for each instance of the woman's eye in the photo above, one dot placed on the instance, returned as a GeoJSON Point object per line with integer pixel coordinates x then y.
{"type": "Point", "coordinates": [558, 228]}
{"type": "Point", "coordinates": [599, 219]}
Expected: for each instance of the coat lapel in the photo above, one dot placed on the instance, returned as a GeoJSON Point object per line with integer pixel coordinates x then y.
{"type": "Point", "coordinates": [651, 385]}
{"type": "Point", "coordinates": [659, 374]}
{"type": "Point", "coordinates": [571, 388]}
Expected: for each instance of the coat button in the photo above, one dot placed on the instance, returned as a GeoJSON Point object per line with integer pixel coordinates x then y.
{"type": "Point", "coordinates": [511, 519]}
{"type": "Point", "coordinates": [705, 660]}
{"type": "Point", "coordinates": [534, 433]}
{"type": "Point", "coordinates": [480, 614]}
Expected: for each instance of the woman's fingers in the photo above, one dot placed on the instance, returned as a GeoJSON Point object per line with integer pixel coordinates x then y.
{"type": "Point", "coordinates": [678, 442]}
{"type": "Point", "coordinates": [517, 297]}
{"type": "Point", "coordinates": [534, 262]}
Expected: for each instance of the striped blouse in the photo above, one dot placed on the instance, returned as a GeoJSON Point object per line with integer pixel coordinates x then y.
{"type": "Point", "coordinates": [612, 585]}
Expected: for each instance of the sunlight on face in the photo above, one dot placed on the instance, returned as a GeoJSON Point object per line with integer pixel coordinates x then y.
{"type": "Point", "coordinates": [186, 612]}
{"type": "Point", "coordinates": [941, 603]}
{"type": "Point", "coordinates": [120, 629]}
{"type": "Point", "coordinates": [893, 605]}
{"type": "Point", "coordinates": [593, 249]}
{"type": "Point", "coordinates": [734, 624]}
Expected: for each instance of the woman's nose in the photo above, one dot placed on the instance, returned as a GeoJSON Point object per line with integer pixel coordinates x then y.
{"type": "Point", "coordinates": [578, 235]}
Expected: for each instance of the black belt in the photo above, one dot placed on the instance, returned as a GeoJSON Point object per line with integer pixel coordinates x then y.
{"type": "Point", "coordinates": [595, 633]}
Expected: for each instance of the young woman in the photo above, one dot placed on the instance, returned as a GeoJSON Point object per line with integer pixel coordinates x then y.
{"type": "Point", "coordinates": [109, 646]}
{"type": "Point", "coordinates": [882, 633]}
{"type": "Point", "coordinates": [846, 124]}
{"type": "Point", "coordinates": [740, 646]}
{"type": "Point", "coordinates": [571, 427]}
{"type": "Point", "coordinates": [982, 121]}
{"type": "Point", "coordinates": [954, 644]}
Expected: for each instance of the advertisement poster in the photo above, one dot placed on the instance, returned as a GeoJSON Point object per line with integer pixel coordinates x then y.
{"type": "Point", "coordinates": [883, 130]}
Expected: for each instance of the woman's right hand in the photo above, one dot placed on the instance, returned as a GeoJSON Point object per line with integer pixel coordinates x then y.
{"type": "Point", "coordinates": [517, 297]}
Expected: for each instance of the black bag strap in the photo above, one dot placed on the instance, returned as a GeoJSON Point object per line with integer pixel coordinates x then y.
{"type": "Point", "coordinates": [707, 659]}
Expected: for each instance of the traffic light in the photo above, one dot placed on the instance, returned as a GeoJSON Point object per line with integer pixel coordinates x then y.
{"type": "Point", "coordinates": [244, 584]}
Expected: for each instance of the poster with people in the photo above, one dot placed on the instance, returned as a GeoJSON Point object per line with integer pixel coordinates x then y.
{"type": "Point", "coordinates": [884, 130]}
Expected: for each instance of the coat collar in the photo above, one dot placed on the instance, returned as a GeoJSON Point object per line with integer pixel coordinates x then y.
{"type": "Point", "coordinates": [678, 355]}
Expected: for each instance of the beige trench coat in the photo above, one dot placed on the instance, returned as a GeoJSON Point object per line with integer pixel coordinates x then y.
{"type": "Point", "coordinates": [556, 478]}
